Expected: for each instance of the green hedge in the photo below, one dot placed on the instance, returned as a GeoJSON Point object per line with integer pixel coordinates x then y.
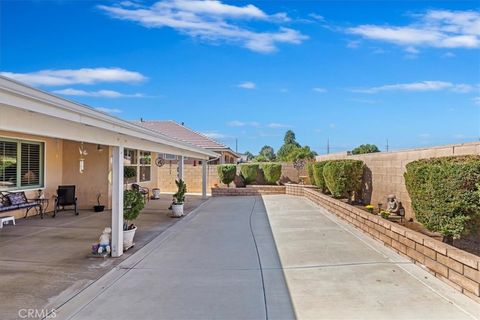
{"type": "Point", "coordinates": [226, 173]}
{"type": "Point", "coordinates": [272, 172]}
{"type": "Point", "coordinates": [445, 194]}
{"type": "Point", "coordinates": [343, 178]}
{"type": "Point", "coordinates": [310, 172]}
{"type": "Point", "coordinates": [318, 175]}
{"type": "Point", "coordinates": [249, 172]}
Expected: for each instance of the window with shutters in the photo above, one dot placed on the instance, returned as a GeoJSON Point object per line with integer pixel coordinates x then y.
{"type": "Point", "coordinates": [21, 164]}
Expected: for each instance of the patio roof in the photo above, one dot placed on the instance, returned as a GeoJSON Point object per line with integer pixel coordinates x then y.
{"type": "Point", "coordinates": [30, 110]}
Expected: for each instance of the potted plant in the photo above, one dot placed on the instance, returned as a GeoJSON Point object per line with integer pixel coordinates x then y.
{"type": "Point", "coordinates": [98, 207]}
{"type": "Point", "coordinates": [128, 173]}
{"type": "Point", "coordinates": [132, 205]}
{"type": "Point", "coordinates": [179, 198]}
{"type": "Point", "coordinates": [369, 208]}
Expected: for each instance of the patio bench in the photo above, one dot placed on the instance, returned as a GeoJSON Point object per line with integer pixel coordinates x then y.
{"type": "Point", "coordinates": [11, 201]}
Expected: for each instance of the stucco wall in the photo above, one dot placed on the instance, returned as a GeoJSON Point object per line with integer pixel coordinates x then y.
{"type": "Point", "coordinates": [385, 170]}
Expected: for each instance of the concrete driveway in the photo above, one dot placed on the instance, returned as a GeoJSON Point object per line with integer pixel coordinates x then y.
{"type": "Point", "coordinates": [221, 262]}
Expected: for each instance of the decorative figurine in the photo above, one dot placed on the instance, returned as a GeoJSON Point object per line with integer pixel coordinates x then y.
{"type": "Point", "coordinates": [104, 244]}
{"type": "Point", "coordinates": [393, 206]}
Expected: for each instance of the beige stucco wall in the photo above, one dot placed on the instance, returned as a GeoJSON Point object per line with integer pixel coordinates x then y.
{"type": "Point", "coordinates": [53, 166]}
{"type": "Point", "coordinates": [387, 169]}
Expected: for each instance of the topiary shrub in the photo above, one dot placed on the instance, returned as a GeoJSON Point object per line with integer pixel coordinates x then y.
{"type": "Point", "coordinates": [133, 203]}
{"type": "Point", "coordinates": [310, 173]}
{"type": "Point", "coordinates": [445, 194]}
{"type": "Point", "coordinates": [249, 172]}
{"type": "Point", "coordinates": [343, 178]}
{"type": "Point", "coordinates": [226, 173]}
{"type": "Point", "coordinates": [272, 172]}
{"type": "Point", "coordinates": [318, 175]}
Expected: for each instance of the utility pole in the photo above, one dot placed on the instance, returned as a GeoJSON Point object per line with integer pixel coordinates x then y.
{"type": "Point", "coordinates": [387, 145]}
{"type": "Point", "coordinates": [236, 145]}
{"type": "Point", "coordinates": [328, 146]}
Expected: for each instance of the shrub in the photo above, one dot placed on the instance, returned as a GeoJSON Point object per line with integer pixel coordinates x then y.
{"type": "Point", "coordinates": [310, 172]}
{"type": "Point", "coordinates": [272, 172]}
{"type": "Point", "coordinates": [318, 175]}
{"type": "Point", "coordinates": [133, 203]}
{"type": "Point", "coordinates": [226, 173]}
{"type": "Point", "coordinates": [249, 172]}
{"type": "Point", "coordinates": [343, 178]}
{"type": "Point", "coordinates": [179, 196]}
{"type": "Point", "coordinates": [445, 194]}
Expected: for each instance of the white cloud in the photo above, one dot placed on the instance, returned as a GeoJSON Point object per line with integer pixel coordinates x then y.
{"type": "Point", "coordinates": [316, 16]}
{"type": "Point", "coordinates": [237, 123]}
{"type": "Point", "coordinates": [425, 135]}
{"type": "Point", "coordinates": [215, 135]}
{"type": "Point", "coordinates": [476, 101]}
{"type": "Point", "coordinates": [412, 50]}
{"type": "Point", "coordinates": [108, 110]}
{"type": "Point", "coordinates": [319, 90]}
{"type": "Point", "coordinates": [419, 87]}
{"type": "Point", "coordinates": [332, 125]}
{"type": "Point", "coordinates": [210, 20]}
{"type": "Point", "coordinates": [275, 125]}
{"type": "Point", "coordinates": [448, 55]}
{"type": "Point", "coordinates": [434, 28]}
{"type": "Point", "coordinates": [99, 93]}
{"type": "Point", "coordinates": [353, 44]}
{"type": "Point", "coordinates": [247, 85]}
{"type": "Point", "coordinates": [76, 76]}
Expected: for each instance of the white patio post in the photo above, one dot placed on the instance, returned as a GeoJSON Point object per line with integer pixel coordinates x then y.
{"type": "Point", "coordinates": [181, 163]}
{"type": "Point", "coordinates": [204, 179]}
{"type": "Point", "coordinates": [117, 201]}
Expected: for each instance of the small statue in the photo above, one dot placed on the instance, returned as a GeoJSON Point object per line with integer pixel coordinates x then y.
{"type": "Point", "coordinates": [393, 206]}
{"type": "Point", "coordinates": [104, 243]}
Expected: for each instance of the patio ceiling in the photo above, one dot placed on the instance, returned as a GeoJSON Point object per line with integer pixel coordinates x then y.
{"type": "Point", "coordinates": [28, 110]}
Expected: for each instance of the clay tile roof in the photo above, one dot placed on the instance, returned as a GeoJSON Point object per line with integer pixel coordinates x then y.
{"type": "Point", "coordinates": [175, 130]}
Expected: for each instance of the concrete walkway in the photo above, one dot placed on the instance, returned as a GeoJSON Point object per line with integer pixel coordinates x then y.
{"type": "Point", "coordinates": [221, 262]}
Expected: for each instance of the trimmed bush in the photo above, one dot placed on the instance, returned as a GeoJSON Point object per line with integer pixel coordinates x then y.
{"type": "Point", "coordinates": [318, 175]}
{"type": "Point", "coordinates": [272, 172]}
{"type": "Point", "coordinates": [343, 178]}
{"type": "Point", "coordinates": [445, 194]}
{"type": "Point", "coordinates": [310, 173]}
{"type": "Point", "coordinates": [249, 172]}
{"type": "Point", "coordinates": [226, 173]}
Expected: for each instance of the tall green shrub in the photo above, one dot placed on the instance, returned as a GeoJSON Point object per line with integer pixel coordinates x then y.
{"type": "Point", "coordinates": [272, 172]}
{"type": "Point", "coordinates": [133, 203]}
{"type": "Point", "coordinates": [318, 175]}
{"type": "Point", "coordinates": [226, 173]}
{"type": "Point", "coordinates": [343, 178]}
{"type": "Point", "coordinates": [310, 173]}
{"type": "Point", "coordinates": [249, 172]}
{"type": "Point", "coordinates": [445, 193]}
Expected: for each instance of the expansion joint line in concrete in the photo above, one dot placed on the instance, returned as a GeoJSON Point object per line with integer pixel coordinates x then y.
{"type": "Point", "coordinates": [258, 258]}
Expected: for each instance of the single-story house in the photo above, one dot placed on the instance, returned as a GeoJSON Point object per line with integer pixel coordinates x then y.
{"type": "Point", "coordinates": [47, 141]}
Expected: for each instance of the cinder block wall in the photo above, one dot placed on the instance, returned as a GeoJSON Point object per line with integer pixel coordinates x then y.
{"type": "Point", "coordinates": [386, 170]}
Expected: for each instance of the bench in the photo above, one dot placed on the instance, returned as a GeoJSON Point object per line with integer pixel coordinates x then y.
{"type": "Point", "coordinates": [11, 201]}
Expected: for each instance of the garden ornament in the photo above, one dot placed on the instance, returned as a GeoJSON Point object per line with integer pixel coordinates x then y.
{"type": "Point", "coordinates": [393, 206]}
{"type": "Point", "coordinates": [104, 244]}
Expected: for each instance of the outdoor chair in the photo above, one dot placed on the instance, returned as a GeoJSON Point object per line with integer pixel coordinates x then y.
{"type": "Point", "coordinates": [65, 197]}
{"type": "Point", "coordinates": [143, 190]}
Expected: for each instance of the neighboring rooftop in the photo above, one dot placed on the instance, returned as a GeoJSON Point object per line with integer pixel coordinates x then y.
{"type": "Point", "coordinates": [180, 132]}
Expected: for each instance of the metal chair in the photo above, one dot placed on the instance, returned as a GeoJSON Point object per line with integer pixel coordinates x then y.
{"type": "Point", "coordinates": [143, 190]}
{"type": "Point", "coordinates": [65, 197]}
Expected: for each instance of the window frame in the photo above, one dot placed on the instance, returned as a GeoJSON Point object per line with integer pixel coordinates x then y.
{"type": "Point", "coordinates": [139, 165]}
{"type": "Point", "coordinates": [42, 167]}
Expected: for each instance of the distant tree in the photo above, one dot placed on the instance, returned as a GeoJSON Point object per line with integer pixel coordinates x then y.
{"type": "Point", "coordinates": [301, 153]}
{"type": "Point", "coordinates": [249, 155]}
{"type": "Point", "coordinates": [260, 158]}
{"type": "Point", "coordinates": [365, 148]}
{"type": "Point", "coordinates": [290, 138]}
{"type": "Point", "coordinates": [267, 152]}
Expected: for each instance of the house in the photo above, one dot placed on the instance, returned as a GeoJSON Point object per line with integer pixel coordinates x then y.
{"type": "Point", "coordinates": [47, 141]}
{"type": "Point", "coordinates": [183, 133]}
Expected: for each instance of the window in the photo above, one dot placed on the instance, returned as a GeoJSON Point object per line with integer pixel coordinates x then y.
{"type": "Point", "coordinates": [141, 164]}
{"type": "Point", "coordinates": [21, 164]}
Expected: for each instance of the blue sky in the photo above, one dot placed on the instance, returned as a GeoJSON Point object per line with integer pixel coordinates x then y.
{"type": "Point", "coordinates": [352, 72]}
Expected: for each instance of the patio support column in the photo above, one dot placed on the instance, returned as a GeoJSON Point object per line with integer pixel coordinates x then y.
{"type": "Point", "coordinates": [204, 179]}
{"type": "Point", "coordinates": [181, 164]}
{"type": "Point", "coordinates": [117, 201]}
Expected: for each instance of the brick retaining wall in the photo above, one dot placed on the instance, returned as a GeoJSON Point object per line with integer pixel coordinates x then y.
{"type": "Point", "coordinates": [456, 267]}
{"type": "Point", "coordinates": [248, 191]}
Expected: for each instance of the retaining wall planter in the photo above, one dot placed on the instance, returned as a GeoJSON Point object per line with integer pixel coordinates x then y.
{"type": "Point", "coordinates": [456, 267]}
{"type": "Point", "coordinates": [250, 190]}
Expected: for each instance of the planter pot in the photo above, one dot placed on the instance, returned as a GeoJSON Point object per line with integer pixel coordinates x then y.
{"type": "Point", "coordinates": [98, 208]}
{"type": "Point", "coordinates": [156, 193]}
{"type": "Point", "coordinates": [177, 210]}
{"type": "Point", "coordinates": [128, 238]}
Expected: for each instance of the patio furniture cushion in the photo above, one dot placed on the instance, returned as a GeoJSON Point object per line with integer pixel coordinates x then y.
{"type": "Point", "coordinates": [8, 208]}
{"type": "Point", "coordinates": [17, 198]}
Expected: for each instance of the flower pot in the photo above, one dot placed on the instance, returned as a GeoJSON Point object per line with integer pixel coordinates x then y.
{"type": "Point", "coordinates": [177, 210]}
{"type": "Point", "coordinates": [156, 193]}
{"type": "Point", "coordinates": [128, 238]}
{"type": "Point", "coordinates": [98, 208]}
